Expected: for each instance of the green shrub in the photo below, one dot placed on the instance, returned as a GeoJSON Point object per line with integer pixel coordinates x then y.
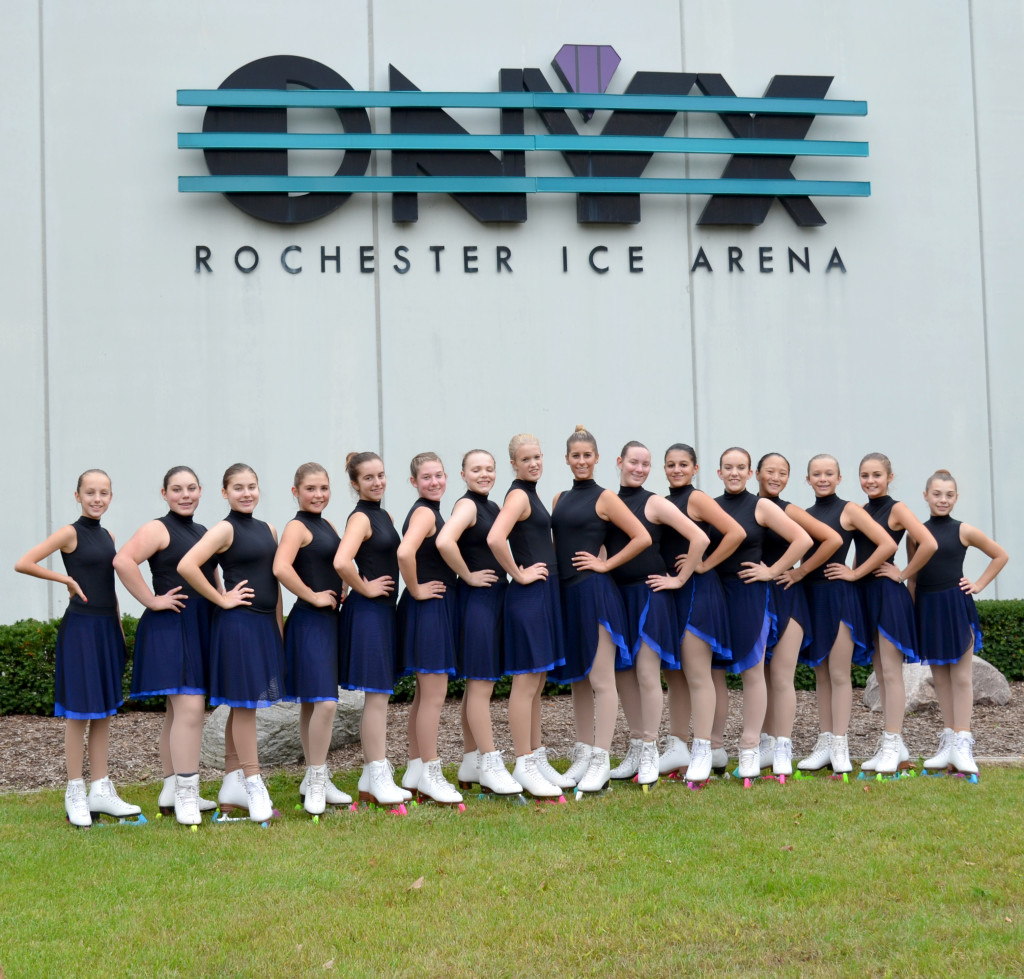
{"type": "Point", "coordinates": [1002, 629]}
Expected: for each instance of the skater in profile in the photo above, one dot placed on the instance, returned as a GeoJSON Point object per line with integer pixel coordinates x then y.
{"type": "Point", "coordinates": [520, 540]}
{"type": "Point", "coordinates": [704, 626]}
{"type": "Point", "coordinates": [246, 653]}
{"type": "Point", "coordinates": [90, 649]}
{"type": "Point", "coordinates": [304, 564]}
{"type": "Point", "coordinates": [793, 624]}
{"type": "Point", "coordinates": [367, 561]}
{"type": "Point", "coordinates": [948, 630]}
{"type": "Point", "coordinates": [593, 613]}
{"type": "Point", "coordinates": [427, 628]}
{"type": "Point", "coordinates": [647, 586]}
{"type": "Point", "coordinates": [172, 640]}
{"type": "Point", "coordinates": [888, 607]}
{"type": "Point", "coordinates": [839, 634]}
{"type": "Point", "coordinates": [480, 592]}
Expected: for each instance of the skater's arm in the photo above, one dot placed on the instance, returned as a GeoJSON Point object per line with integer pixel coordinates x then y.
{"type": "Point", "coordinates": [463, 517]}
{"type": "Point", "coordinates": [358, 530]}
{"type": "Point", "coordinates": [829, 539]}
{"type": "Point", "coordinates": [296, 536]}
{"type": "Point", "coordinates": [421, 526]}
{"type": "Point", "coordinates": [66, 540]}
{"type": "Point", "coordinates": [925, 545]}
{"type": "Point", "coordinates": [215, 541]}
{"type": "Point", "coordinates": [973, 537]}
{"type": "Point", "coordinates": [141, 546]}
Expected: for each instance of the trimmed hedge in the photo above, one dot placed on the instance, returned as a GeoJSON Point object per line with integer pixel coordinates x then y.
{"type": "Point", "coordinates": [27, 661]}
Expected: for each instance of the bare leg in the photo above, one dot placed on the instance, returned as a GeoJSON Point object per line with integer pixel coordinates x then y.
{"type": "Point", "coordinates": [522, 698]}
{"type": "Point", "coordinates": [99, 747]}
{"type": "Point", "coordinates": [628, 687]}
{"type": "Point", "coordinates": [468, 741]}
{"type": "Point", "coordinates": [476, 705]}
{"type": "Point", "coordinates": [823, 693]}
{"type": "Point", "coordinates": [74, 747]}
{"type": "Point", "coordinates": [536, 737]}
{"type": "Point", "coordinates": [305, 714]}
{"type": "Point", "coordinates": [755, 697]}
{"type": "Point", "coordinates": [243, 731]}
{"type": "Point", "coordinates": [186, 734]}
{"type": "Point", "coordinates": [583, 710]}
{"type": "Point", "coordinates": [721, 708]}
{"type": "Point", "coordinates": [606, 700]}
{"type": "Point", "coordinates": [769, 724]}
{"type": "Point", "coordinates": [961, 677]}
{"type": "Point", "coordinates": [320, 730]}
{"type": "Point", "coordinates": [432, 688]}
{"type": "Point", "coordinates": [373, 726]}
{"type": "Point", "coordinates": [231, 762]}
{"type": "Point", "coordinates": [652, 700]}
{"type": "Point", "coordinates": [678, 696]}
{"type": "Point", "coordinates": [701, 685]}
{"type": "Point", "coordinates": [876, 665]}
{"type": "Point", "coordinates": [414, 711]}
{"type": "Point", "coordinates": [893, 693]}
{"type": "Point", "coordinates": [166, 764]}
{"type": "Point", "coordinates": [839, 660]}
{"type": "Point", "coordinates": [782, 701]}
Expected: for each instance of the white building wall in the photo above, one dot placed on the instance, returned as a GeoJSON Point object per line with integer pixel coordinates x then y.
{"type": "Point", "coordinates": [912, 351]}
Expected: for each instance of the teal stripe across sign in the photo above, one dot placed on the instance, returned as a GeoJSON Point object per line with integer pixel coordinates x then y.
{"type": "Point", "coordinates": [242, 184]}
{"type": "Point", "coordinates": [561, 144]}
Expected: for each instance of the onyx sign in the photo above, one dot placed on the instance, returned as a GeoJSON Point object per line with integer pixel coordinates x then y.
{"type": "Point", "coordinates": [246, 141]}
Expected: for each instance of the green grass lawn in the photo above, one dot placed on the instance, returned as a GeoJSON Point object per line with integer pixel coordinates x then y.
{"type": "Point", "coordinates": [916, 877]}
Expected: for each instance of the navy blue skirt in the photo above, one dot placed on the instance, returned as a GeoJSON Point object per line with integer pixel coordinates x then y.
{"type": "Point", "coordinates": [533, 627]}
{"type": "Point", "coordinates": [246, 658]}
{"type": "Point", "coordinates": [311, 655]}
{"type": "Point", "coordinates": [700, 610]}
{"type": "Point", "coordinates": [481, 615]}
{"type": "Point", "coordinates": [427, 632]}
{"type": "Point", "coordinates": [651, 619]}
{"type": "Point", "coordinates": [751, 624]}
{"type": "Point", "coordinates": [889, 611]}
{"type": "Point", "coordinates": [790, 604]}
{"type": "Point", "coordinates": [832, 604]}
{"type": "Point", "coordinates": [172, 650]}
{"type": "Point", "coordinates": [369, 644]}
{"type": "Point", "coordinates": [588, 604]}
{"type": "Point", "coordinates": [947, 626]}
{"type": "Point", "coordinates": [90, 657]}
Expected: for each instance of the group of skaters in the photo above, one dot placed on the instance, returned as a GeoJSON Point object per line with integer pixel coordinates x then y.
{"type": "Point", "coordinates": [611, 591]}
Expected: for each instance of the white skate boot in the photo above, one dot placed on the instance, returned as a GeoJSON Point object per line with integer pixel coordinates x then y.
{"type": "Point", "coordinates": [648, 771]}
{"type": "Point", "coordinates": [232, 794]}
{"type": "Point", "coordinates": [314, 800]}
{"type": "Point", "coordinates": [595, 779]}
{"type": "Point", "coordinates": [868, 765]}
{"type": "Point", "coordinates": [719, 760]}
{"type": "Point", "coordinates": [630, 764]}
{"type": "Point", "coordinates": [820, 756]}
{"type": "Point", "coordinates": [962, 755]}
{"type": "Point", "coordinates": [675, 757]}
{"type": "Point", "coordinates": [549, 772]}
{"type": "Point", "coordinates": [186, 800]}
{"type": "Point", "coordinates": [333, 796]}
{"type": "Point", "coordinates": [749, 763]}
{"type": "Point", "coordinates": [166, 801]}
{"type": "Point", "coordinates": [839, 754]}
{"type": "Point", "coordinates": [527, 774]}
{"type": "Point", "coordinates": [260, 807]}
{"type": "Point", "coordinates": [469, 770]}
{"type": "Point", "coordinates": [767, 750]}
{"type": "Point", "coordinates": [377, 785]}
{"type": "Point", "coordinates": [435, 787]}
{"type": "Point", "coordinates": [699, 769]}
{"type": "Point", "coordinates": [494, 777]}
{"type": "Point", "coordinates": [75, 804]}
{"type": "Point", "coordinates": [941, 758]}
{"type": "Point", "coordinates": [104, 800]}
{"type": "Point", "coordinates": [887, 760]}
{"type": "Point", "coordinates": [782, 757]}
{"type": "Point", "coordinates": [579, 762]}
{"type": "Point", "coordinates": [413, 773]}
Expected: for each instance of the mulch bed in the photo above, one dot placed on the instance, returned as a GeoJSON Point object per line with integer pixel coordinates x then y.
{"type": "Point", "coordinates": [32, 748]}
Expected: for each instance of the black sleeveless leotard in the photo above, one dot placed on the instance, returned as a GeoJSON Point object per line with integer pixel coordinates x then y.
{"type": "Point", "coordinates": [378, 554]}
{"type": "Point", "coordinates": [250, 558]}
{"type": "Point", "coordinates": [650, 560]}
{"type": "Point", "coordinates": [314, 563]}
{"type": "Point", "coordinates": [576, 526]}
{"type": "Point", "coordinates": [530, 539]}
{"type": "Point", "coordinates": [430, 566]}
{"type": "Point", "coordinates": [946, 567]}
{"type": "Point", "coordinates": [879, 509]}
{"type": "Point", "coordinates": [742, 507]}
{"type": "Point", "coordinates": [473, 541]}
{"type": "Point", "coordinates": [91, 564]}
{"type": "Point", "coordinates": [829, 510]}
{"type": "Point", "coordinates": [183, 532]}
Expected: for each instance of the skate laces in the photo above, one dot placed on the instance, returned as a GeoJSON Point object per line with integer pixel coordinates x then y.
{"type": "Point", "coordinates": [701, 749]}
{"type": "Point", "coordinates": [784, 749]}
{"type": "Point", "coordinates": [648, 754]}
{"type": "Point", "coordinates": [75, 797]}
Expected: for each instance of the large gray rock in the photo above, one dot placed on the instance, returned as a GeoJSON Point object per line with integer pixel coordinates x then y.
{"type": "Point", "coordinates": [277, 731]}
{"type": "Point", "coordinates": [990, 686]}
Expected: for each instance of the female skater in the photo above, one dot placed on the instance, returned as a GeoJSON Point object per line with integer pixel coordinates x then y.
{"type": "Point", "coordinates": [246, 655]}
{"type": "Point", "coordinates": [745, 577]}
{"type": "Point", "coordinates": [703, 624]}
{"type": "Point", "coordinates": [427, 628]}
{"type": "Point", "coordinates": [839, 635]}
{"type": "Point", "coordinates": [304, 564]}
{"type": "Point", "coordinates": [792, 616]}
{"type": "Point", "coordinates": [90, 649]}
{"type": "Point", "coordinates": [593, 614]}
{"type": "Point", "coordinates": [947, 621]}
{"type": "Point", "coordinates": [652, 626]}
{"type": "Point", "coordinates": [462, 542]}
{"type": "Point", "coordinates": [172, 641]}
{"type": "Point", "coordinates": [520, 539]}
{"type": "Point", "coordinates": [888, 607]}
{"type": "Point", "coordinates": [367, 561]}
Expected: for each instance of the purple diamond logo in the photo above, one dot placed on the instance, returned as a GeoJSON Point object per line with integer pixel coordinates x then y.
{"type": "Point", "coordinates": [586, 68]}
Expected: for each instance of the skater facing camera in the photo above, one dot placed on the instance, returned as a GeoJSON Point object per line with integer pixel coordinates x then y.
{"type": "Point", "coordinates": [90, 652]}
{"type": "Point", "coordinates": [948, 630]}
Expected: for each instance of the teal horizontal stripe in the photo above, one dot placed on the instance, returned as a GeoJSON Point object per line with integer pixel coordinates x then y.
{"type": "Point", "coordinates": [562, 144]}
{"type": "Point", "coordinates": [522, 185]}
{"type": "Point", "coordinates": [347, 99]}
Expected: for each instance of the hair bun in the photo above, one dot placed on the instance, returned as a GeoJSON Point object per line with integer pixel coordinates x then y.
{"type": "Point", "coordinates": [580, 428]}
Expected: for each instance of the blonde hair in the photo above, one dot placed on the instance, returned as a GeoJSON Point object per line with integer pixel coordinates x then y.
{"type": "Point", "coordinates": [518, 441]}
{"type": "Point", "coordinates": [308, 469]}
{"type": "Point", "coordinates": [473, 452]}
{"type": "Point", "coordinates": [822, 455]}
{"type": "Point", "coordinates": [418, 460]}
{"type": "Point", "coordinates": [580, 435]}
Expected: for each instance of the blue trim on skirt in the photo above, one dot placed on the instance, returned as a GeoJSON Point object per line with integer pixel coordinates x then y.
{"type": "Point", "coordinates": [947, 626]}
{"type": "Point", "coordinates": [790, 604]}
{"type": "Point", "coordinates": [311, 642]}
{"type": "Point", "coordinates": [651, 619]}
{"type": "Point", "coordinates": [889, 610]}
{"type": "Point", "coordinates": [588, 604]}
{"type": "Point", "coordinates": [172, 651]}
{"type": "Point", "coordinates": [246, 658]}
{"type": "Point", "coordinates": [750, 623]}
{"type": "Point", "coordinates": [834, 603]}
{"type": "Point", "coordinates": [90, 658]}
{"type": "Point", "coordinates": [427, 632]}
{"type": "Point", "coordinates": [534, 641]}
{"type": "Point", "coordinates": [481, 617]}
{"type": "Point", "coordinates": [368, 658]}
{"type": "Point", "coordinates": [700, 610]}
